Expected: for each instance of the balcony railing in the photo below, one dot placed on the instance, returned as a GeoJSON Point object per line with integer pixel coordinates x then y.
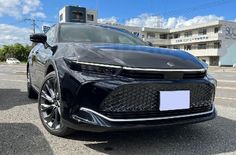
{"type": "Point", "coordinates": [205, 52]}
{"type": "Point", "coordinates": [157, 41]}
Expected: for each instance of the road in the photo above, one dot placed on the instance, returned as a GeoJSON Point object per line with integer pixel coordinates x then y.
{"type": "Point", "coordinates": [21, 131]}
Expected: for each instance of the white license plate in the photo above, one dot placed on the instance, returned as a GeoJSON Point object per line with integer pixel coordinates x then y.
{"type": "Point", "coordinates": [174, 100]}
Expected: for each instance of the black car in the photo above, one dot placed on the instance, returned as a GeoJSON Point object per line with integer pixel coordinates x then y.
{"type": "Point", "coordinates": [101, 78]}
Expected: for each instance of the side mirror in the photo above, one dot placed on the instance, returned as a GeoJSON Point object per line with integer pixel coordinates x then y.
{"type": "Point", "coordinates": [149, 43]}
{"type": "Point", "coordinates": [38, 38]}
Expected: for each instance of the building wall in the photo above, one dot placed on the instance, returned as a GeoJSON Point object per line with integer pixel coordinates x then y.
{"type": "Point", "coordinates": [66, 15]}
{"type": "Point", "coordinates": [93, 13]}
{"type": "Point", "coordinates": [228, 38]}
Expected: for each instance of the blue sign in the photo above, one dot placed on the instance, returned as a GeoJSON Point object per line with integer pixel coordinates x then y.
{"type": "Point", "coordinates": [45, 29]}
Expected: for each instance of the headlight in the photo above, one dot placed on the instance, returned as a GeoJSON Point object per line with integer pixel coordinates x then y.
{"type": "Point", "coordinates": [89, 67]}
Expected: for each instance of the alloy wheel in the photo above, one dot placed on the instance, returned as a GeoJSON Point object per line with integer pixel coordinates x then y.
{"type": "Point", "coordinates": [49, 104]}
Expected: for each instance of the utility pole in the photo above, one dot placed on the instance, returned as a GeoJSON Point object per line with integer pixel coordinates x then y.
{"type": "Point", "coordinates": [33, 27]}
{"type": "Point", "coordinates": [33, 24]}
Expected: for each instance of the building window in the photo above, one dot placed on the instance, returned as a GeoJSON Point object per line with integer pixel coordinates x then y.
{"type": "Point", "coordinates": [217, 45]}
{"type": "Point", "coordinates": [204, 60]}
{"type": "Point", "coordinates": [176, 47]}
{"type": "Point", "coordinates": [188, 34]}
{"type": "Point", "coordinates": [151, 35]}
{"type": "Point", "coordinates": [163, 36]}
{"type": "Point", "coordinates": [61, 17]}
{"type": "Point", "coordinates": [163, 46]}
{"type": "Point", "coordinates": [136, 34]}
{"type": "Point", "coordinates": [90, 17]}
{"type": "Point", "coordinates": [202, 46]}
{"type": "Point", "coordinates": [216, 30]}
{"type": "Point", "coordinates": [78, 16]}
{"type": "Point", "coordinates": [202, 31]}
{"type": "Point", "coordinates": [187, 47]}
{"type": "Point", "coordinates": [176, 35]}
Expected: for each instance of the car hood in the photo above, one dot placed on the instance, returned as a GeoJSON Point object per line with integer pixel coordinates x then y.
{"type": "Point", "coordinates": [136, 56]}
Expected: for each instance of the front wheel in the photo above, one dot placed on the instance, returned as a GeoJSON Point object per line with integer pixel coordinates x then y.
{"type": "Point", "coordinates": [49, 106]}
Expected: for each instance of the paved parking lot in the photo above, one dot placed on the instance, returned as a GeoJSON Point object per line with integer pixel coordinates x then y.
{"type": "Point", "coordinates": [21, 131]}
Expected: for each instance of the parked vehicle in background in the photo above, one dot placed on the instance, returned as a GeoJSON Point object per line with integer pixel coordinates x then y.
{"type": "Point", "coordinates": [12, 61]}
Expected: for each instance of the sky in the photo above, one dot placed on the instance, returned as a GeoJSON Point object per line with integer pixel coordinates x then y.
{"type": "Point", "coordinates": [15, 27]}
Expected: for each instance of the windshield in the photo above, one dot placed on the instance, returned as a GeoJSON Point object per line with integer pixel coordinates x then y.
{"type": "Point", "coordinates": [96, 34]}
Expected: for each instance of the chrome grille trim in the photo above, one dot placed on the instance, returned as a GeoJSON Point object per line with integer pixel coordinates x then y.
{"type": "Point", "coordinates": [145, 119]}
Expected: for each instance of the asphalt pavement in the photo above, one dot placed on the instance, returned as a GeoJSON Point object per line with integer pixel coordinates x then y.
{"type": "Point", "coordinates": [21, 131]}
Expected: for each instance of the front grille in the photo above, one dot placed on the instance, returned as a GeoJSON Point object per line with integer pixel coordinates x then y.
{"type": "Point", "coordinates": [194, 75]}
{"type": "Point", "coordinates": [141, 74]}
{"type": "Point", "coordinates": [143, 100]}
{"type": "Point", "coordinates": [162, 75]}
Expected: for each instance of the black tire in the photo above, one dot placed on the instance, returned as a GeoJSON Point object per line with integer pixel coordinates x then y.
{"type": "Point", "coordinates": [32, 94]}
{"type": "Point", "coordinates": [49, 101]}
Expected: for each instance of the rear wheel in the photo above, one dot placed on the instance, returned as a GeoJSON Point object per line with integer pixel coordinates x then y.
{"type": "Point", "coordinates": [31, 92]}
{"type": "Point", "coordinates": [49, 107]}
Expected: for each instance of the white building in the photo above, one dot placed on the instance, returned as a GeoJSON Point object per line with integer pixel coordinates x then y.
{"type": "Point", "coordinates": [77, 14]}
{"type": "Point", "coordinates": [213, 42]}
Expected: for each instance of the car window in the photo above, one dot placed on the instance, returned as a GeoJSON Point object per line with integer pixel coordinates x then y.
{"type": "Point", "coordinates": [96, 34]}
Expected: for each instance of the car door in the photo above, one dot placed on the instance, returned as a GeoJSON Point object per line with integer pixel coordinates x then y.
{"type": "Point", "coordinates": [42, 56]}
{"type": "Point", "coordinates": [32, 63]}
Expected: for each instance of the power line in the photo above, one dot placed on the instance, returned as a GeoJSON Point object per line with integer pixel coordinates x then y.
{"type": "Point", "coordinates": [40, 30]}
{"type": "Point", "coordinates": [33, 23]}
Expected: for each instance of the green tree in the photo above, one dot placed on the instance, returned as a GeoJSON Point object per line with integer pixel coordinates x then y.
{"type": "Point", "coordinates": [15, 51]}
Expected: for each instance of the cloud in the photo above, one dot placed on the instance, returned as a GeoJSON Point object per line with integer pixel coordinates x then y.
{"type": "Point", "coordinates": [38, 15]}
{"type": "Point", "coordinates": [148, 20]}
{"type": "Point", "coordinates": [21, 8]}
{"type": "Point", "coordinates": [145, 20]}
{"type": "Point", "coordinates": [183, 22]}
{"type": "Point", "coordinates": [11, 34]}
{"type": "Point", "coordinates": [111, 20]}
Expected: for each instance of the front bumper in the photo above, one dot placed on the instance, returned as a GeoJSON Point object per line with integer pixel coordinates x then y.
{"type": "Point", "coordinates": [83, 95]}
{"type": "Point", "coordinates": [89, 120]}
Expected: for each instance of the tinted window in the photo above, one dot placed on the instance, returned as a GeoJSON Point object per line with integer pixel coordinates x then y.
{"type": "Point", "coordinates": [90, 17]}
{"type": "Point", "coordinates": [96, 34]}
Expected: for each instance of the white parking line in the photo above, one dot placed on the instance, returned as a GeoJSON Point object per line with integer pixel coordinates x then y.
{"type": "Point", "coordinates": [227, 81]}
{"type": "Point", "coordinates": [12, 80]}
{"type": "Point", "coordinates": [229, 88]}
{"type": "Point", "coordinates": [226, 98]}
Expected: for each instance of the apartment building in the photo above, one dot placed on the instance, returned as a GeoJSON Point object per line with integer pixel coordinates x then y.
{"type": "Point", "coordinates": [213, 42]}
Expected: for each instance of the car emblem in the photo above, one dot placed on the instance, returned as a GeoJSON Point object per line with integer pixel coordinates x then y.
{"type": "Point", "coordinates": [170, 64]}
